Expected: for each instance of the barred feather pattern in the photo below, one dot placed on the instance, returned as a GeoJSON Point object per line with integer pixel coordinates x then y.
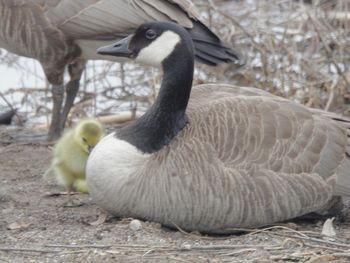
{"type": "Point", "coordinates": [87, 19]}
{"type": "Point", "coordinates": [26, 31]}
{"type": "Point", "coordinates": [246, 159]}
{"type": "Point", "coordinates": [55, 32]}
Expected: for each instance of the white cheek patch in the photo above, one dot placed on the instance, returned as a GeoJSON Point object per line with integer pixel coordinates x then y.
{"type": "Point", "coordinates": [159, 49]}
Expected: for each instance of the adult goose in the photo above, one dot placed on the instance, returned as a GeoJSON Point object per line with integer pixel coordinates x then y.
{"type": "Point", "coordinates": [63, 34]}
{"type": "Point", "coordinates": [226, 157]}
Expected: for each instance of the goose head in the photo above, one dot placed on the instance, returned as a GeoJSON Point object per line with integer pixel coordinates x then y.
{"type": "Point", "coordinates": [169, 47]}
{"type": "Point", "coordinates": [153, 44]}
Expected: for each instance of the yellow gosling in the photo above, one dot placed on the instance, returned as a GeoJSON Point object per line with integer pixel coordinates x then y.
{"type": "Point", "coordinates": [70, 155]}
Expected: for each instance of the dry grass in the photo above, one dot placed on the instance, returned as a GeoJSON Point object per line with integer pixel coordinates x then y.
{"type": "Point", "coordinates": [295, 50]}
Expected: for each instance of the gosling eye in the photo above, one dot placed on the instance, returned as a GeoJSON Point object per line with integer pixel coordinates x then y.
{"type": "Point", "coordinates": [84, 140]}
{"type": "Point", "coordinates": [151, 34]}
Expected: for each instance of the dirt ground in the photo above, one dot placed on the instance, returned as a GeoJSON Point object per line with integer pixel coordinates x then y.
{"type": "Point", "coordinates": [36, 225]}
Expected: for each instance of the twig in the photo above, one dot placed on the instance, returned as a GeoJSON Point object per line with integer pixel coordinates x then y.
{"type": "Point", "coordinates": [28, 250]}
{"type": "Point", "coordinates": [179, 259]}
{"type": "Point", "coordinates": [293, 257]}
{"type": "Point", "coordinates": [331, 96]}
{"type": "Point", "coordinates": [221, 247]}
{"type": "Point", "coordinates": [79, 246]}
{"type": "Point", "coordinates": [180, 229]}
{"type": "Point", "coordinates": [240, 251]}
{"type": "Point", "coordinates": [325, 247]}
{"type": "Point", "coordinates": [343, 255]}
{"type": "Point", "coordinates": [313, 239]}
{"type": "Point", "coordinates": [136, 246]}
{"type": "Point", "coordinates": [55, 194]}
{"type": "Point", "coordinates": [148, 252]}
{"type": "Point", "coordinates": [193, 248]}
{"type": "Point", "coordinates": [71, 252]}
{"type": "Point", "coordinates": [257, 231]}
{"type": "Point", "coordinates": [5, 142]}
{"type": "Point", "coordinates": [229, 17]}
{"type": "Point", "coordinates": [6, 101]}
{"type": "Point", "coordinates": [280, 227]}
{"type": "Point", "coordinates": [328, 51]}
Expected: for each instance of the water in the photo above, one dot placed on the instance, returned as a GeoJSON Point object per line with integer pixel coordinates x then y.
{"type": "Point", "coordinates": [24, 72]}
{"type": "Point", "coordinates": [23, 83]}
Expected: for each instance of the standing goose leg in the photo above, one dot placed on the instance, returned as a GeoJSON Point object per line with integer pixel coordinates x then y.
{"type": "Point", "coordinates": [55, 126]}
{"type": "Point", "coordinates": [75, 70]}
{"type": "Point", "coordinates": [56, 79]}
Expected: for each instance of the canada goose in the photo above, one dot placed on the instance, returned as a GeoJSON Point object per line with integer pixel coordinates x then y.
{"type": "Point", "coordinates": [64, 34]}
{"type": "Point", "coordinates": [227, 157]}
{"type": "Point", "coordinates": [71, 153]}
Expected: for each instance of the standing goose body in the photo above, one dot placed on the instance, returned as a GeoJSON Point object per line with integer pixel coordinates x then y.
{"type": "Point", "coordinates": [226, 157]}
{"type": "Point", "coordinates": [63, 34]}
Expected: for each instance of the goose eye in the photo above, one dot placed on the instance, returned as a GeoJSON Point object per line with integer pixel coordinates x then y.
{"type": "Point", "coordinates": [151, 34]}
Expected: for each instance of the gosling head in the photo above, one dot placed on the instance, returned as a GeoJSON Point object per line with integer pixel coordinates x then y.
{"type": "Point", "coordinates": [87, 134]}
{"type": "Point", "coordinates": [152, 43]}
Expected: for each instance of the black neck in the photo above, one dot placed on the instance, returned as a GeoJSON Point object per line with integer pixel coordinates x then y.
{"type": "Point", "coordinates": [166, 117]}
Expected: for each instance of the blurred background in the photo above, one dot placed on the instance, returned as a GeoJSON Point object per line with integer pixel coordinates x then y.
{"type": "Point", "coordinates": [297, 49]}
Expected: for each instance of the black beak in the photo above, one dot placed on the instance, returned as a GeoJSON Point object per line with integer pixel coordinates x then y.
{"type": "Point", "coordinates": [118, 49]}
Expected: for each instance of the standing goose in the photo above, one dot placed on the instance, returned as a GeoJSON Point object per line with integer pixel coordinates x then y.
{"type": "Point", "coordinates": [227, 157]}
{"type": "Point", "coordinates": [64, 34]}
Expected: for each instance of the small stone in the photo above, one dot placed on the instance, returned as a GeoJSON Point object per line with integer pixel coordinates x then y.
{"type": "Point", "coordinates": [98, 235]}
{"type": "Point", "coordinates": [135, 225]}
{"type": "Point", "coordinates": [186, 246]}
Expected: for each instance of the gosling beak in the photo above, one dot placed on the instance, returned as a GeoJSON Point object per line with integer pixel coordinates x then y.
{"type": "Point", "coordinates": [90, 148]}
{"type": "Point", "coordinates": [118, 49]}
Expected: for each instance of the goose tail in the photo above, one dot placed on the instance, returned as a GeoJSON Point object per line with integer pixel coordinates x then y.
{"type": "Point", "coordinates": [210, 50]}
{"type": "Point", "coordinates": [342, 187]}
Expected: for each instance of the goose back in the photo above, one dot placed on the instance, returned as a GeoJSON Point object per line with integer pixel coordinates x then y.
{"type": "Point", "coordinates": [46, 30]}
{"type": "Point", "coordinates": [108, 18]}
{"type": "Point", "coordinates": [96, 22]}
{"type": "Point", "coordinates": [55, 31]}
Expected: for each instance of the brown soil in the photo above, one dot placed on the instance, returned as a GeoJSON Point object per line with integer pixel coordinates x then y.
{"type": "Point", "coordinates": [37, 225]}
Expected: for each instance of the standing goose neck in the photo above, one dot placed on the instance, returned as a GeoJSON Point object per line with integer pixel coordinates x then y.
{"type": "Point", "coordinates": [166, 117]}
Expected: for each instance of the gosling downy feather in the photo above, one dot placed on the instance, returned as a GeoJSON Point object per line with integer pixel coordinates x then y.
{"type": "Point", "coordinates": [71, 153]}
{"type": "Point", "coordinates": [227, 157]}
